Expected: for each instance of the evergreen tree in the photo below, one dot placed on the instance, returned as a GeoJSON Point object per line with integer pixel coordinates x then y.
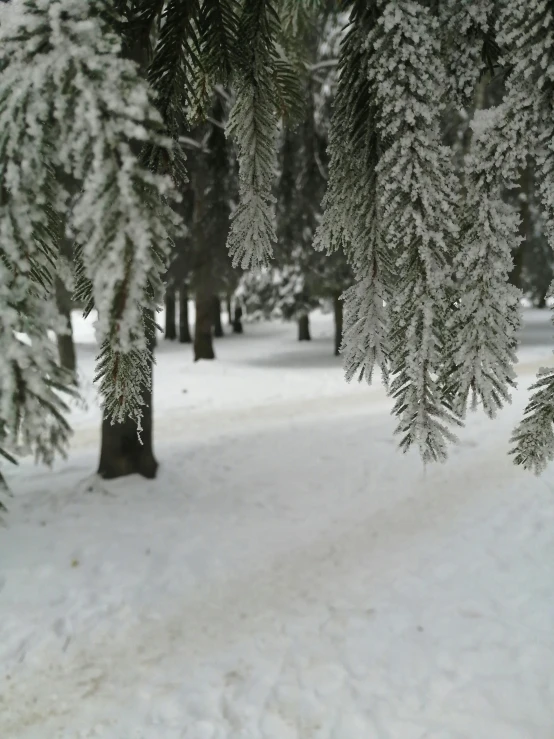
{"type": "Point", "coordinates": [430, 248]}
{"type": "Point", "coordinates": [70, 104]}
{"type": "Point", "coordinates": [525, 122]}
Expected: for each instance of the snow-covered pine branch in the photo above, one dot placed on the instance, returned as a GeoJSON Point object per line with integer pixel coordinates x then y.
{"type": "Point", "coordinates": [483, 326]}
{"type": "Point", "coordinates": [418, 198]}
{"type": "Point", "coordinates": [351, 205]}
{"type": "Point", "coordinates": [31, 407]}
{"type": "Point", "coordinates": [69, 103]}
{"type": "Point", "coordinates": [527, 32]}
{"type": "Point", "coordinates": [253, 125]}
{"type": "Point", "coordinates": [174, 75]}
{"type": "Point", "coordinates": [469, 43]}
{"type": "Point", "coordinates": [390, 205]}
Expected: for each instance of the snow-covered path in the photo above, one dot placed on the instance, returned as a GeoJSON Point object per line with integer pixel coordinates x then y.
{"type": "Point", "coordinates": [305, 595]}
{"type": "Point", "coordinates": [289, 576]}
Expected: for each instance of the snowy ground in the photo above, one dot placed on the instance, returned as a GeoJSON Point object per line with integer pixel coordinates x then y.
{"type": "Point", "coordinates": [290, 575]}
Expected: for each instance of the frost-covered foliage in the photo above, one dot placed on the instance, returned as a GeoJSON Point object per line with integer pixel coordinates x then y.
{"type": "Point", "coordinates": [73, 116]}
{"type": "Point", "coordinates": [276, 292]}
{"type": "Point", "coordinates": [351, 205]}
{"type": "Point", "coordinates": [527, 123]}
{"type": "Point", "coordinates": [431, 251]}
{"type": "Point", "coordinates": [482, 327]}
{"type": "Point", "coordinates": [391, 207]}
{"type": "Point", "coordinates": [418, 194]}
{"type": "Point", "coordinates": [267, 79]}
{"type": "Point", "coordinates": [469, 43]}
{"type": "Point", "coordinates": [253, 123]}
{"type": "Point", "coordinates": [83, 148]}
{"type": "Point", "coordinates": [300, 276]}
{"type": "Point", "coordinates": [257, 293]}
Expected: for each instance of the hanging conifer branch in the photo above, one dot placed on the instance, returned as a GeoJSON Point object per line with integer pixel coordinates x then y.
{"type": "Point", "coordinates": [253, 124]}
{"type": "Point", "coordinates": [118, 218]}
{"type": "Point", "coordinates": [218, 27]}
{"type": "Point", "coordinates": [140, 21]}
{"type": "Point", "coordinates": [171, 75]}
{"type": "Point", "coordinates": [527, 31]}
{"type": "Point", "coordinates": [351, 205]}
{"type": "Point", "coordinates": [390, 206]}
{"type": "Point", "coordinates": [418, 202]}
{"type": "Point", "coordinates": [482, 328]}
{"type": "Point", "coordinates": [470, 45]}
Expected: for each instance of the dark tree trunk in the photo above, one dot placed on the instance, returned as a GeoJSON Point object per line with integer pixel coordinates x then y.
{"type": "Point", "coordinates": [237, 320]}
{"type": "Point", "coordinates": [184, 330]}
{"type": "Point", "coordinates": [338, 310]}
{"type": "Point", "coordinates": [304, 327]}
{"type": "Point", "coordinates": [170, 327]}
{"type": "Point", "coordinates": [542, 301]}
{"type": "Point", "coordinates": [525, 228]}
{"type": "Point", "coordinates": [121, 451]}
{"type": "Point", "coordinates": [229, 308]}
{"type": "Point", "coordinates": [203, 342]}
{"type": "Point", "coordinates": [203, 271]}
{"type": "Point", "coordinates": [66, 346]}
{"type": "Point", "coordinates": [218, 326]}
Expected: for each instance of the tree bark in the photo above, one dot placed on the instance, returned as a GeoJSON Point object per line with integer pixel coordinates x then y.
{"type": "Point", "coordinates": [203, 342]}
{"type": "Point", "coordinates": [203, 270]}
{"type": "Point", "coordinates": [121, 451]}
{"type": "Point", "coordinates": [66, 345]}
{"type": "Point", "coordinates": [338, 310]}
{"type": "Point", "coordinates": [184, 330]}
{"type": "Point", "coordinates": [304, 327]}
{"type": "Point", "coordinates": [218, 325]}
{"type": "Point", "coordinates": [229, 308]}
{"type": "Point", "coordinates": [237, 320]}
{"type": "Point", "coordinates": [170, 327]}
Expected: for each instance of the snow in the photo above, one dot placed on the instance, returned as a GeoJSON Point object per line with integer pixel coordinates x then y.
{"type": "Point", "coordinates": [289, 575]}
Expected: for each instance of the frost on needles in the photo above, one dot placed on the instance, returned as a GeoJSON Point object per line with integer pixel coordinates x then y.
{"type": "Point", "coordinates": [253, 124]}
{"type": "Point", "coordinates": [391, 206]}
{"type": "Point", "coordinates": [431, 247]}
{"type": "Point", "coordinates": [72, 111]}
{"type": "Point", "coordinates": [527, 30]}
{"type": "Point", "coordinates": [351, 204]}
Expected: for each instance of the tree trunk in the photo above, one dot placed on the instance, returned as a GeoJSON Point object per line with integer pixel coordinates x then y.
{"type": "Point", "coordinates": [525, 228]}
{"type": "Point", "coordinates": [121, 451]}
{"type": "Point", "coordinates": [218, 326]}
{"type": "Point", "coordinates": [229, 308]}
{"type": "Point", "coordinates": [203, 343]}
{"type": "Point", "coordinates": [304, 327]}
{"type": "Point", "coordinates": [170, 327]}
{"type": "Point", "coordinates": [184, 330]}
{"type": "Point", "coordinates": [203, 271]}
{"type": "Point", "coordinates": [66, 346]}
{"type": "Point", "coordinates": [237, 320]}
{"type": "Point", "coordinates": [338, 309]}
